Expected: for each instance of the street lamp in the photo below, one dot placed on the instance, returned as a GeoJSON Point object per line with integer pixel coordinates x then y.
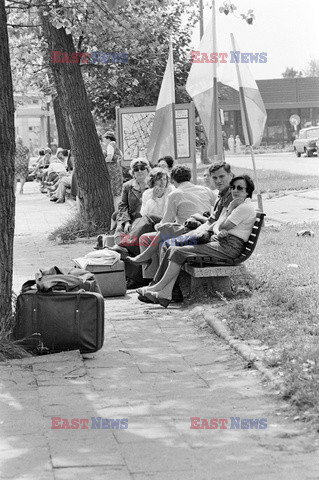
{"type": "Point", "coordinates": [48, 122]}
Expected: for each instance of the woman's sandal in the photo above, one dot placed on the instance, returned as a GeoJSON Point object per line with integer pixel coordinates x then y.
{"type": "Point", "coordinates": [153, 296]}
{"type": "Point", "coordinates": [144, 299]}
{"type": "Point", "coordinates": [142, 291]}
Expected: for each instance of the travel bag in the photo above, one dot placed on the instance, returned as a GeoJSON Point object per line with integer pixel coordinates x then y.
{"type": "Point", "coordinates": [65, 320]}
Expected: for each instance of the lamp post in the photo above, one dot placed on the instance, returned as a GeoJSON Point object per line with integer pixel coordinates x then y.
{"type": "Point", "coordinates": [201, 19]}
{"type": "Point", "coordinates": [202, 134]}
{"type": "Point", "coordinates": [48, 123]}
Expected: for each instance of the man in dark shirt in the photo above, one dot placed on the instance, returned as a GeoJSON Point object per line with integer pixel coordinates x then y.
{"type": "Point", "coordinates": [221, 175]}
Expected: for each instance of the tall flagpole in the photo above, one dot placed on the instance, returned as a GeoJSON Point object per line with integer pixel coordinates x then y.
{"type": "Point", "coordinates": [172, 86]}
{"type": "Point", "coordinates": [246, 126]}
{"type": "Point", "coordinates": [215, 92]}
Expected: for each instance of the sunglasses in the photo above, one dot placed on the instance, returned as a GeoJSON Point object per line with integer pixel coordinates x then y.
{"type": "Point", "coordinates": [238, 187]}
{"type": "Point", "coordinates": [139, 167]}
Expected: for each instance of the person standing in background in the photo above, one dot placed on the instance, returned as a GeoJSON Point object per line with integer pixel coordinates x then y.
{"type": "Point", "coordinates": [231, 144]}
{"type": "Point", "coordinates": [113, 158]}
{"type": "Point", "coordinates": [237, 144]}
{"type": "Point", "coordinates": [22, 158]}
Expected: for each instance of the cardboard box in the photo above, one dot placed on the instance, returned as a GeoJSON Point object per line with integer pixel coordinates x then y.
{"type": "Point", "coordinates": [111, 278]}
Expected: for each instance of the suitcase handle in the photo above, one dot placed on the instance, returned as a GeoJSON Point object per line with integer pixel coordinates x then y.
{"type": "Point", "coordinates": [60, 287]}
{"type": "Point", "coordinates": [27, 285]}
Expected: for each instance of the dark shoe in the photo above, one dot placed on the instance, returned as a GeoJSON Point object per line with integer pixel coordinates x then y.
{"type": "Point", "coordinates": [53, 199]}
{"type": "Point", "coordinates": [164, 302]}
{"type": "Point", "coordinates": [133, 284]}
{"type": "Point", "coordinates": [143, 299]}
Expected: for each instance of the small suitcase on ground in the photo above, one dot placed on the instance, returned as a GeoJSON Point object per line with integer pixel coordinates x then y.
{"type": "Point", "coordinates": [110, 278]}
{"type": "Point", "coordinates": [65, 320]}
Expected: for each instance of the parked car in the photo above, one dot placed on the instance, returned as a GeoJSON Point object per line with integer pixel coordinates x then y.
{"type": "Point", "coordinates": [306, 141]}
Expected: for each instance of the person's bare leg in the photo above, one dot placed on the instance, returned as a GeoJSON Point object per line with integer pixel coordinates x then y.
{"type": "Point", "coordinates": [165, 286]}
{"type": "Point", "coordinates": [22, 182]}
{"type": "Point", "coordinates": [149, 252]}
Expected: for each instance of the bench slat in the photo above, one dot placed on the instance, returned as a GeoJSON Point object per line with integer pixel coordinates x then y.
{"type": "Point", "coordinates": [205, 262]}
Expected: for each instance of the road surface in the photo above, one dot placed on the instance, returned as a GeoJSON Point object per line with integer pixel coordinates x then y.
{"type": "Point", "coordinates": [286, 162]}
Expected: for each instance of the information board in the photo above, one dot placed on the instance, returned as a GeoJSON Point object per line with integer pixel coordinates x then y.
{"type": "Point", "coordinates": [134, 126]}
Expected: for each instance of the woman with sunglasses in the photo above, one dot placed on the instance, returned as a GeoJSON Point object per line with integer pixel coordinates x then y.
{"type": "Point", "coordinates": [229, 235]}
{"type": "Point", "coordinates": [130, 205]}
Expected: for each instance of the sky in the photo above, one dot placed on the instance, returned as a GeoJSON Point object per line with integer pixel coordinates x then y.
{"type": "Point", "coordinates": [288, 30]}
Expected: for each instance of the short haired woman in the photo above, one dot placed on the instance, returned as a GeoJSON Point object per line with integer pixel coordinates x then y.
{"type": "Point", "coordinates": [154, 200]}
{"type": "Point", "coordinates": [166, 162]}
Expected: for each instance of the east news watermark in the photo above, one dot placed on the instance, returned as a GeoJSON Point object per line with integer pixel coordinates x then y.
{"type": "Point", "coordinates": [232, 423]}
{"type": "Point", "coordinates": [98, 58]}
{"type": "Point", "coordinates": [93, 423]}
{"type": "Point", "coordinates": [228, 57]}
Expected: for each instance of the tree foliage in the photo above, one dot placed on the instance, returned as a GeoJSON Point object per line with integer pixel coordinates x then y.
{"type": "Point", "coordinates": [291, 73]}
{"type": "Point", "coordinates": [312, 69]}
{"type": "Point", "coordinates": [142, 31]}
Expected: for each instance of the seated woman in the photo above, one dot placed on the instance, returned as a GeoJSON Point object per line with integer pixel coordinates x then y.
{"type": "Point", "coordinates": [131, 202]}
{"type": "Point", "coordinates": [154, 200]}
{"type": "Point", "coordinates": [230, 233]}
{"type": "Point", "coordinates": [154, 203]}
{"type": "Point", "coordinates": [167, 163]}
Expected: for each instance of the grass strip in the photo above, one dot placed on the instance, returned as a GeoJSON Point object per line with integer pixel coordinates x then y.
{"type": "Point", "coordinates": [278, 304]}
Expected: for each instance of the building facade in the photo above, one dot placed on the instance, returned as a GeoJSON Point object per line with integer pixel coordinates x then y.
{"type": "Point", "coordinates": [34, 121]}
{"type": "Point", "coordinates": [282, 98]}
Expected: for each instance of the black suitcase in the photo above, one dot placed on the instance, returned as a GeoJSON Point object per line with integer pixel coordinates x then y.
{"type": "Point", "coordinates": [65, 320]}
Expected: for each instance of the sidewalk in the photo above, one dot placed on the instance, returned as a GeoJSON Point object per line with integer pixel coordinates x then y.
{"type": "Point", "coordinates": [157, 369]}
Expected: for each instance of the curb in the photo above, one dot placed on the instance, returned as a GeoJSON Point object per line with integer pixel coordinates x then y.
{"type": "Point", "coordinates": [244, 350]}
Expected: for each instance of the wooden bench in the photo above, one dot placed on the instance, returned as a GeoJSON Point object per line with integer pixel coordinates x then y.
{"type": "Point", "coordinates": [205, 270]}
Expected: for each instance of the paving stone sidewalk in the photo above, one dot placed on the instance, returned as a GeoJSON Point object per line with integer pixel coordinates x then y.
{"type": "Point", "coordinates": [157, 369]}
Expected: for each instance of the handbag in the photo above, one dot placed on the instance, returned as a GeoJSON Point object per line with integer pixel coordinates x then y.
{"type": "Point", "coordinates": [69, 280]}
{"type": "Point", "coordinates": [198, 236]}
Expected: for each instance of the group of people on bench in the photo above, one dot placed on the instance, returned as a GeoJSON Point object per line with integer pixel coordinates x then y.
{"type": "Point", "coordinates": [55, 172]}
{"type": "Point", "coordinates": [163, 219]}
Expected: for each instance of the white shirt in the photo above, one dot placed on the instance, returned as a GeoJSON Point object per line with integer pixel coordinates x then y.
{"type": "Point", "coordinates": [243, 216]}
{"type": "Point", "coordinates": [56, 166]}
{"type": "Point", "coordinates": [152, 205]}
{"type": "Point", "coordinates": [187, 200]}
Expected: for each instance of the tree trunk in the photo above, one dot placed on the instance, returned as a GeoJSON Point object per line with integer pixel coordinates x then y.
{"type": "Point", "coordinates": [63, 139]}
{"type": "Point", "coordinates": [92, 174]}
{"type": "Point", "coordinates": [7, 149]}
